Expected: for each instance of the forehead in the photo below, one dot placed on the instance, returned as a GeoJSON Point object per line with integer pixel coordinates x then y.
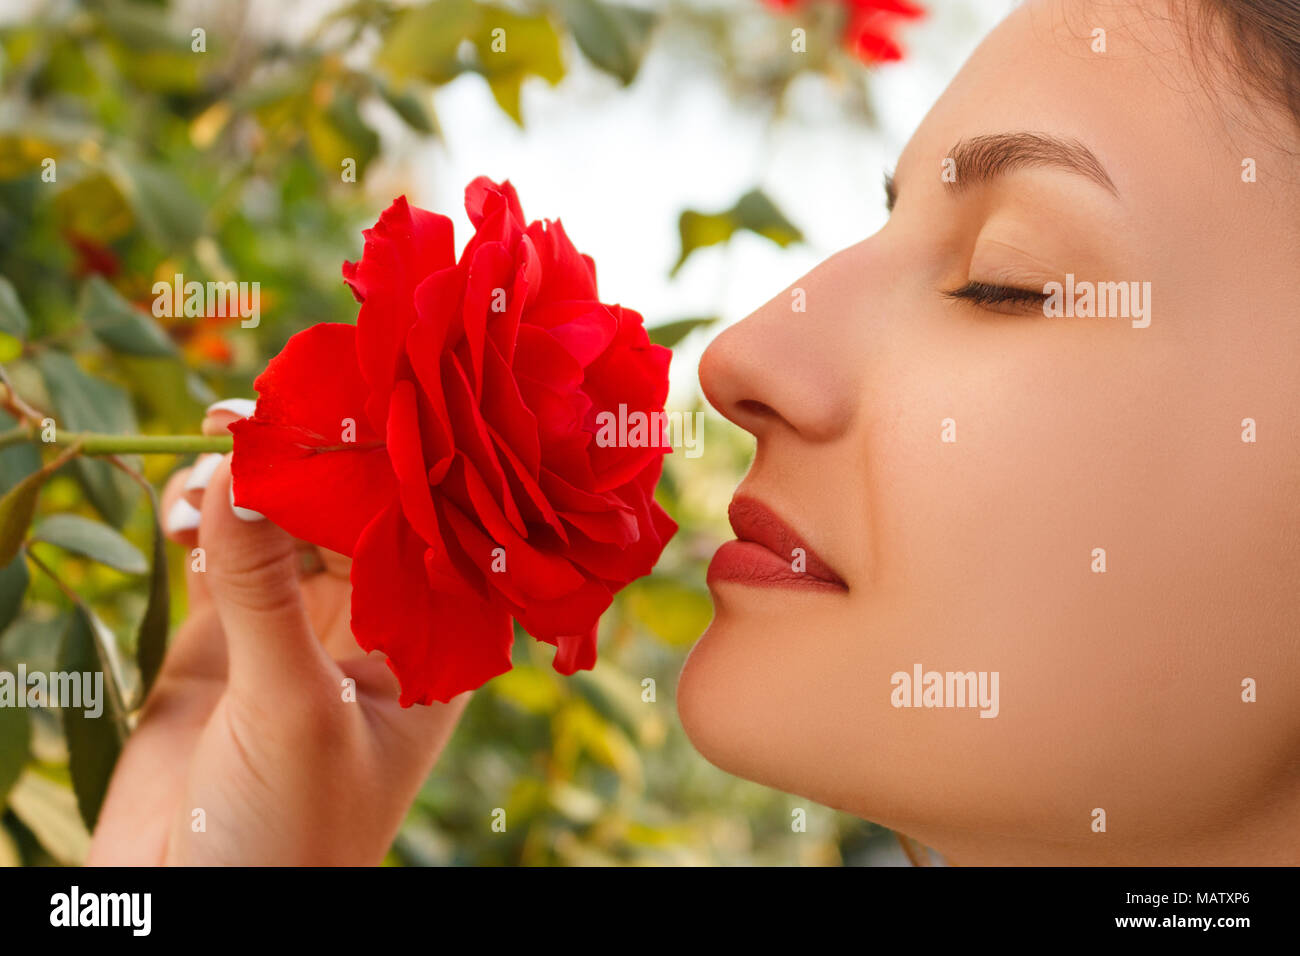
{"type": "Point", "coordinates": [1161, 112]}
{"type": "Point", "coordinates": [1115, 76]}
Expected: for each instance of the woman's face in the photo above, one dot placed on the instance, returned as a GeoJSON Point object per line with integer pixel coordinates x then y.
{"type": "Point", "coordinates": [957, 464]}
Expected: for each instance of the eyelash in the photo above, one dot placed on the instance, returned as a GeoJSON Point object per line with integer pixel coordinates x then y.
{"type": "Point", "coordinates": [986, 293]}
{"type": "Point", "coordinates": [978, 293]}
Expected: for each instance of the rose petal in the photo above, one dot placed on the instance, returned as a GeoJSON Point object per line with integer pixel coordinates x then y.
{"type": "Point", "coordinates": [439, 645]}
{"type": "Point", "coordinates": [403, 248]}
{"type": "Point", "coordinates": [291, 461]}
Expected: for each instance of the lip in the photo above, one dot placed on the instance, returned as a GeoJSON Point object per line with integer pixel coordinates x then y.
{"type": "Point", "coordinates": [763, 553]}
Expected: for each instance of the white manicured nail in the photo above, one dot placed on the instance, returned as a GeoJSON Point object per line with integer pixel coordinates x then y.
{"type": "Point", "coordinates": [183, 516]}
{"type": "Point", "coordinates": [201, 473]}
{"type": "Point", "coordinates": [243, 407]}
{"type": "Point", "coordinates": [243, 514]}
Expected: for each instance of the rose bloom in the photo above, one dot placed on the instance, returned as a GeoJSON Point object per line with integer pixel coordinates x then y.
{"type": "Point", "coordinates": [446, 443]}
{"type": "Point", "coordinates": [869, 25]}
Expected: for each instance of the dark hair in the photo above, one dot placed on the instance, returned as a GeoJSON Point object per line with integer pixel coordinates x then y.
{"type": "Point", "coordinates": [1265, 46]}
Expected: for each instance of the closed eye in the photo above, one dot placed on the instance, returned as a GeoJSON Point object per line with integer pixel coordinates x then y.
{"type": "Point", "coordinates": [988, 294]}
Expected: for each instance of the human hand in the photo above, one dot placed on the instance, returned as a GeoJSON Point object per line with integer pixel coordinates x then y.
{"type": "Point", "coordinates": [250, 720]}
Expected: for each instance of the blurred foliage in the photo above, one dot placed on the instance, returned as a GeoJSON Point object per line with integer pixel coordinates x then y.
{"type": "Point", "coordinates": [753, 212]}
{"type": "Point", "coordinates": [135, 146]}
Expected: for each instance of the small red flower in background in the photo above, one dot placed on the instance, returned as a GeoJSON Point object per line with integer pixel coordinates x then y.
{"type": "Point", "coordinates": [471, 490]}
{"type": "Point", "coordinates": [871, 22]}
{"type": "Point", "coordinates": [93, 257]}
{"type": "Point", "coordinates": [867, 34]}
{"type": "Point", "coordinates": [206, 339]}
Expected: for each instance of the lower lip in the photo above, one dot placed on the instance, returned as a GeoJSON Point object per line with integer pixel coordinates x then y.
{"type": "Point", "coordinates": [745, 562]}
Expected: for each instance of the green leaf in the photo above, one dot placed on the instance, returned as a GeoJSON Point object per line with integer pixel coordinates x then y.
{"type": "Point", "coordinates": [410, 107]}
{"type": "Point", "coordinates": [13, 317]}
{"type": "Point", "coordinates": [94, 743]}
{"type": "Point", "coordinates": [93, 540]}
{"type": "Point", "coordinates": [338, 133]}
{"type": "Point", "coordinates": [94, 209]}
{"type": "Point", "coordinates": [151, 639]}
{"type": "Point", "coordinates": [13, 585]}
{"type": "Point", "coordinates": [528, 688]}
{"type": "Point", "coordinates": [50, 812]}
{"type": "Point", "coordinates": [612, 37]}
{"type": "Point", "coordinates": [83, 403]}
{"type": "Point", "coordinates": [67, 68]}
{"type": "Point", "coordinates": [698, 230]}
{"type": "Point", "coordinates": [10, 855]}
{"type": "Point", "coordinates": [670, 333]}
{"type": "Point", "coordinates": [676, 612]}
{"type": "Point", "coordinates": [614, 695]}
{"type": "Point", "coordinates": [16, 461]}
{"type": "Point", "coordinates": [34, 639]}
{"type": "Point", "coordinates": [274, 100]}
{"type": "Point", "coordinates": [17, 508]}
{"type": "Point", "coordinates": [119, 324]}
{"type": "Point", "coordinates": [753, 212]}
{"type": "Point", "coordinates": [165, 71]}
{"type": "Point", "coordinates": [140, 28]}
{"type": "Point", "coordinates": [15, 743]}
{"type": "Point", "coordinates": [162, 203]}
{"type": "Point", "coordinates": [757, 213]}
{"type": "Point", "coordinates": [163, 390]}
{"type": "Point", "coordinates": [149, 52]}
{"type": "Point", "coordinates": [21, 154]}
{"type": "Point", "coordinates": [424, 41]}
{"type": "Point", "coordinates": [511, 48]}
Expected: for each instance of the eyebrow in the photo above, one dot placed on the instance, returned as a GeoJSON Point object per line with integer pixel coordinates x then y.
{"type": "Point", "coordinates": [981, 159]}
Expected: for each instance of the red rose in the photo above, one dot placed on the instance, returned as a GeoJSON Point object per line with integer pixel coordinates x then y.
{"type": "Point", "coordinates": [446, 444]}
{"type": "Point", "coordinates": [869, 25]}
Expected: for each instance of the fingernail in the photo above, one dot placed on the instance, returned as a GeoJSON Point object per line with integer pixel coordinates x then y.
{"type": "Point", "coordinates": [183, 516]}
{"type": "Point", "coordinates": [201, 473]}
{"type": "Point", "coordinates": [243, 514]}
{"type": "Point", "coordinates": [243, 407]}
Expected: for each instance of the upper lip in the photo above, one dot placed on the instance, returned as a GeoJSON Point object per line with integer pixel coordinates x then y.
{"type": "Point", "coordinates": [753, 521]}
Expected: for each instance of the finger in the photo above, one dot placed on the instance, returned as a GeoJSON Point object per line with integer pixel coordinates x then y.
{"type": "Point", "coordinates": [338, 565]}
{"type": "Point", "coordinates": [220, 414]}
{"type": "Point", "coordinates": [253, 579]}
{"type": "Point", "coordinates": [199, 476]}
{"type": "Point", "coordinates": [413, 736]}
{"type": "Point", "coordinates": [180, 519]}
{"type": "Point", "coordinates": [216, 422]}
{"type": "Point", "coordinates": [150, 776]}
{"type": "Point", "coordinates": [180, 523]}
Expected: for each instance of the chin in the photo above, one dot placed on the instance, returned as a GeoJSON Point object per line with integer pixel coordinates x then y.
{"type": "Point", "coordinates": [741, 713]}
{"type": "Point", "coordinates": [729, 706]}
{"type": "Point", "coordinates": [708, 723]}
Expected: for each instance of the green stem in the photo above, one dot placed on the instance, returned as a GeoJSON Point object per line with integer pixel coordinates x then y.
{"type": "Point", "coordinates": [93, 443]}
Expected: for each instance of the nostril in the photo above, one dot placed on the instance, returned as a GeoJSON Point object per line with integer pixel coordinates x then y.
{"type": "Point", "coordinates": [752, 407]}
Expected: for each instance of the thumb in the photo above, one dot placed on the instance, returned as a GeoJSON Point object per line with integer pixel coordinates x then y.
{"type": "Point", "coordinates": [252, 576]}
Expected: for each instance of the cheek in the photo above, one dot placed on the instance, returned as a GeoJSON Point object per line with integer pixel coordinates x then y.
{"type": "Point", "coordinates": [1118, 687]}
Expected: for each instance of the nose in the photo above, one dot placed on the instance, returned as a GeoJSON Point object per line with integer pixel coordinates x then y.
{"type": "Point", "coordinates": [788, 367]}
